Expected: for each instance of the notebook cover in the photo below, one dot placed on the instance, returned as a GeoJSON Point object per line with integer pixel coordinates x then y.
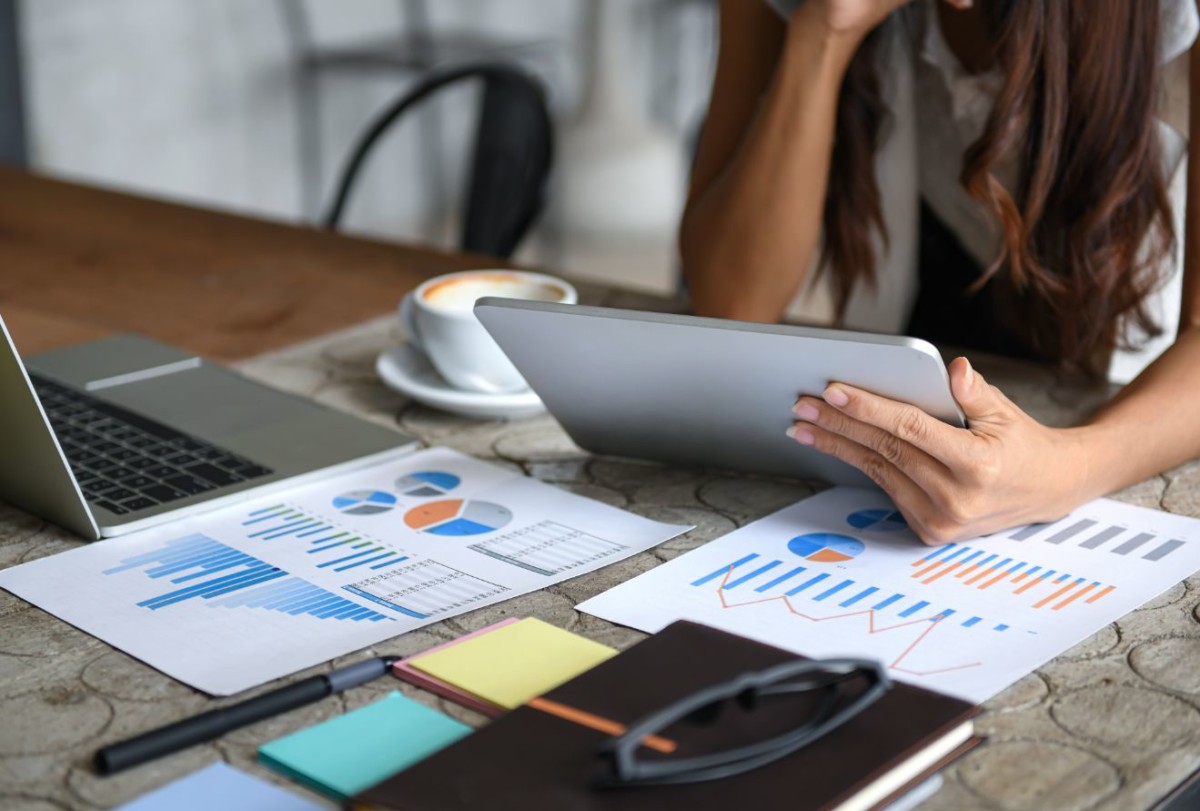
{"type": "Point", "coordinates": [532, 759]}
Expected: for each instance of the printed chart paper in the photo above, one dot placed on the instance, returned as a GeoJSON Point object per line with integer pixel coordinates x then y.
{"type": "Point", "coordinates": [842, 574]}
{"type": "Point", "coordinates": [238, 597]}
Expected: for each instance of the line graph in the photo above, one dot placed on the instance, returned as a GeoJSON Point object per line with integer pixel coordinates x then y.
{"type": "Point", "coordinates": [967, 619]}
{"type": "Point", "coordinates": [765, 577]}
{"type": "Point", "coordinates": [897, 664]}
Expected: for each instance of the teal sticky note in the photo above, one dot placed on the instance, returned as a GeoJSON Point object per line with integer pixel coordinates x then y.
{"type": "Point", "coordinates": [353, 752]}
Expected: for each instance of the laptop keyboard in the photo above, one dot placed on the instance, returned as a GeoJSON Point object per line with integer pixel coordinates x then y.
{"type": "Point", "coordinates": [126, 462]}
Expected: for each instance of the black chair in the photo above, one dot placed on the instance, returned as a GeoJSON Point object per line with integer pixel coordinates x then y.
{"type": "Point", "coordinates": [512, 155]}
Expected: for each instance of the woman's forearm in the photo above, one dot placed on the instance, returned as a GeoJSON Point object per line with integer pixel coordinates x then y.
{"type": "Point", "coordinates": [1151, 426]}
{"type": "Point", "coordinates": [748, 238]}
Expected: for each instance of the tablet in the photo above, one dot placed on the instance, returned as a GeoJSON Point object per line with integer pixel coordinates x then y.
{"type": "Point", "coordinates": [704, 391]}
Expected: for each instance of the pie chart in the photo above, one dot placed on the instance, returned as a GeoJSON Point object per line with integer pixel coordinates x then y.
{"type": "Point", "coordinates": [364, 502]}
{"type": "Point", "coordinates": [427, 483]}
{"type": "Point", "coordinates": [877, 520]}
{"type": "Point", "coordinates": [825, 547]}
{"type": "Point", "coordinates": [456, 517]}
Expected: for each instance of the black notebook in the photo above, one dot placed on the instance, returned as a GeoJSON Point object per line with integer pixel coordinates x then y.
{"type": "Point", "coordinates": [545, 754]}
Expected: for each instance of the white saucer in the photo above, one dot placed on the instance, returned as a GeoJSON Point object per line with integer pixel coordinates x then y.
{"type": "Point", "coordinates": [405, 369]}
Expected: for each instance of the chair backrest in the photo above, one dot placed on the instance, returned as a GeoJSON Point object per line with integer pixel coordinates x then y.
{"type": "Point", "coordinates": [513, 152]}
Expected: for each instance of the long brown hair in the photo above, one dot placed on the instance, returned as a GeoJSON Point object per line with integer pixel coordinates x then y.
{"type": "Point", "coordinates": [1085, 232]}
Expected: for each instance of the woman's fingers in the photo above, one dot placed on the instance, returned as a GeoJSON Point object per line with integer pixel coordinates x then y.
{"type": "Point", "coordinates": [905, 422]}
{"type": "Point", "coordinates": [914, 504]}
{"type": "Point", "coordinates": [929, 473]}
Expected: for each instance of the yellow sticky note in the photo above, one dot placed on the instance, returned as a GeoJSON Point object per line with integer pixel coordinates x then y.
{"type": "Point", "coordinates": [515, 663]}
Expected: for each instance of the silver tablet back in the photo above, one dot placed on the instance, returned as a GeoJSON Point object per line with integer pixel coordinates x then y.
{"type": "Point", "coordinates": [702, 391]}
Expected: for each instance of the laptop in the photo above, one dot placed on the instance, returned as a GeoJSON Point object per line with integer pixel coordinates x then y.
{"type": "Point", "coordinates": [704, 392]}
{"type": "Point", "coordinates": [117, 435]}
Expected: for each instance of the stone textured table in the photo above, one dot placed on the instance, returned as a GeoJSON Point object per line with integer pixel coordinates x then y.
{"type": "Point", "coordinates": [1110, 724]}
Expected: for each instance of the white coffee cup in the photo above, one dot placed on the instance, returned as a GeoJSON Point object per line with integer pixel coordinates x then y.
{"type": "Point", "coordinates": [440, 320]}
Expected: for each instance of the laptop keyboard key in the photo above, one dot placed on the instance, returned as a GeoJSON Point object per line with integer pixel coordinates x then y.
{"type": "Point", "coordinates": [142, 463]}
{"type": "Point", "coordinates": [162, 471]}
{"type": "Point", "coordinates": [138, 482]}
{"type": "Point", "coordinates": [139, 503]}
{"type": "Point", "coordinates": [180, 459]}
{"type": "Point", "coordinates": [251, 471]}
{"type": "Point", "coordinates": [123, 455]}
{"type": "Point", "coordinates": [163, 493]}
{"type": "Point", "coordinates": [103, 465]}
{"type": "Point", "coordinates": [190, 484]}
{"type": "Point", "coordinates": [213, 474]}
{"type": "Point", "coordinates": [104, 484]}
{"type": "Point", "coordinates": [119, 494]}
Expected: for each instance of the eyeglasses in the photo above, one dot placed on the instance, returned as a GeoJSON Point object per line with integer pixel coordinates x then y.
{"type": "Point", "coordinates": [837, 690]}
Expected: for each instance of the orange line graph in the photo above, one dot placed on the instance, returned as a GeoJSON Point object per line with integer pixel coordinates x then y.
{"type": "Point", "coordinates": [872, 629]}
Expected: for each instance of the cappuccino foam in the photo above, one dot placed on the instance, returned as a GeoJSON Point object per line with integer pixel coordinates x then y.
{"type": "Point", "coordinates": [459, 295]}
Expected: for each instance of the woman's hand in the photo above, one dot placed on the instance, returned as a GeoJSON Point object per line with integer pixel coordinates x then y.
{"type": "Point", "coordinates": [856, 17]}
{"type": "Point", "coordinates": [950, 483]}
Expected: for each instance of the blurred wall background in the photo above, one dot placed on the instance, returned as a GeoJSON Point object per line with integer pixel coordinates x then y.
{"type": "Point", "coordinates": [201, 102]}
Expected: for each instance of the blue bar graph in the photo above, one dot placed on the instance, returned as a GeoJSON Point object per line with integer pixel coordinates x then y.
{"type": "Point", "coordinates": [941, 550]}
{"type": "Point", "coordinates": [830, 592]}
{"type": "Point", "coordinates": [885, 603]}
{"type": "Point", "coordinates": [814, 581]}
{"type": "Point", "coordinates": [282, 521]}
{"type": "Point", "coordinates": [768, 576]}
{"type": "Point", "coordinates": [781, 579]}
{"type": "Point", "coordinates": [296, 596]}
{"type": "Point", "coordinates": [209, 569]}
{"type": "Point", "coordinates": [861, 595]}
{"type": "Point", "coordinates": [914, 608]}
{"type": "Point", "coordinates": [753, 574]}
{"type": "Point", "coordinates": [724, 570]}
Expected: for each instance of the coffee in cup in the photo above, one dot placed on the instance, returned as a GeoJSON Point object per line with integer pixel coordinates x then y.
{"type": "Point", "coordinates": [440, 320]}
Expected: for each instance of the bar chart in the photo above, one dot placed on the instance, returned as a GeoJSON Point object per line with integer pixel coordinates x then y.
{"type": "Point", "coordinates": [1093, 534]}
{"type": "Point", "coordinates": [838, 574]}
{"type": "Point", "coordinates": [424, 589]}
{"type": "Point", "coordinates": [548, 548]}
{"type": "Point", "coordinates": [755, 575]}
{"type": "Point", "coordinates": [332, 547]}
{"type": "Point", "coordinates": [981, 569]}
{"type": "Point", "coordinates": [200, 568]}
{"type": "Point", "coordinates": [914, 630]}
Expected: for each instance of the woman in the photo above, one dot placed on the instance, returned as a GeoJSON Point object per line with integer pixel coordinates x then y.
{"type": "Point", "coordinates": [1015, 145]}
